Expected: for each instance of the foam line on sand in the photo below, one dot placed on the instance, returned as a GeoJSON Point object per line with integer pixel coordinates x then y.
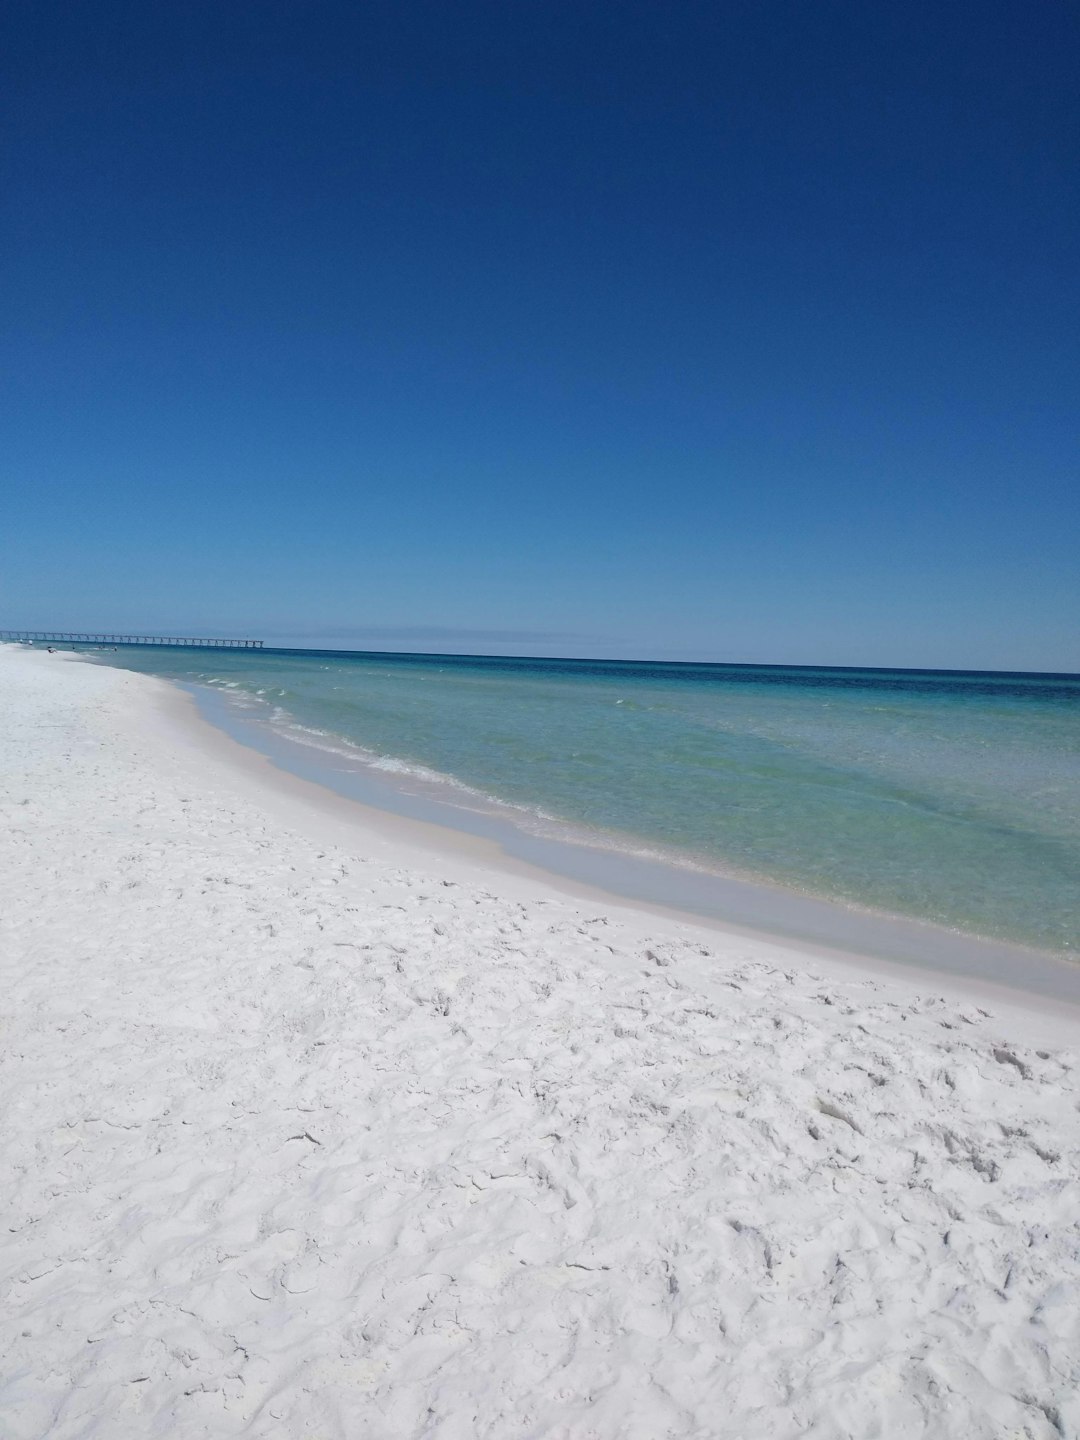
{"type": "Point", "coordinates": [310, 1133]}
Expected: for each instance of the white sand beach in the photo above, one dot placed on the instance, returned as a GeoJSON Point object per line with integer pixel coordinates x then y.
{"type": "Point", "coordinates": [311, 1129]}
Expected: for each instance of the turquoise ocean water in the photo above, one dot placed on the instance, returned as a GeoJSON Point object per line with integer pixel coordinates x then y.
{"type": "Point", "coordinates": [950, 797]}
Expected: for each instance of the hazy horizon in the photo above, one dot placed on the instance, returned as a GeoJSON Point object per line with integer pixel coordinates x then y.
{"type": "Point", "coordinates": [441, 646]}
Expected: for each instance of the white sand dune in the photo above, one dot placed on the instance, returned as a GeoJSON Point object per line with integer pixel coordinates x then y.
{"type": "Point", "coordinates": [312, 1140]}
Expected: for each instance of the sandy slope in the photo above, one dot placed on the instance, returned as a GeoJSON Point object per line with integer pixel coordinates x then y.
{"type": "Point", "coordinates": [302, 1144]}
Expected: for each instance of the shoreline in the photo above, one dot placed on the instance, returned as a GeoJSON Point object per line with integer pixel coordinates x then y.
{"type": "Point", "coordinates": [316, 1124]}
{"type": "Point", "coordinates": [849, 935]}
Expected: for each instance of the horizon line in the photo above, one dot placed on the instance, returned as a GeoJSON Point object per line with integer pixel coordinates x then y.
{"type": "Point", "coordinates": [267, 647]}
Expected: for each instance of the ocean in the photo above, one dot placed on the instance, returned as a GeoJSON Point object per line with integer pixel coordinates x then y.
{"type": "Point", "coordinates": [949, 797]}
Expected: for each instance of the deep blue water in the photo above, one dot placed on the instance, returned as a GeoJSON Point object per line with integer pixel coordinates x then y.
{"type": "Point", "coordinates": [948, 796]}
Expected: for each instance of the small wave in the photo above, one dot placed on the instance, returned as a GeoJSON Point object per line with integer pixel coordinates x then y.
{"type": "Point", "coordinates": [287, 727]}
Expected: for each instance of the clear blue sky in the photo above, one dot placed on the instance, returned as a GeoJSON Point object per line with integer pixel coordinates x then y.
{"type": "Point", "coordinates": [740, 330]}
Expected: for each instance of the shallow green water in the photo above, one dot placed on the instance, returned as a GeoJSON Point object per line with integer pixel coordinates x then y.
{"type": "Point", "coordinates": [953, 797]}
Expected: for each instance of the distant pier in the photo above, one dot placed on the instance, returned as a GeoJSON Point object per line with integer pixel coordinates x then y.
{"type": "Point", "coordinates": [71, 637]}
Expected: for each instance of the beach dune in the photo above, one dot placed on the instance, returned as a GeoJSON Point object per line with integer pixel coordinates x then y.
{"type": "Point", "coordinates": [310, 1133]}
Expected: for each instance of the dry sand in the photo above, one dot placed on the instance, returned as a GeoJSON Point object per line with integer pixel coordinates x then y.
{"type": "Point", "coordinates": [310, 1131]}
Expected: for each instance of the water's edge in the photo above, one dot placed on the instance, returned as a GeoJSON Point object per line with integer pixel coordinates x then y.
{"type": "Point", "coordinates": [768, 911]}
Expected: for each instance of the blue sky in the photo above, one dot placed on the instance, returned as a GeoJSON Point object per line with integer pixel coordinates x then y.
{"type": "Point", "coordinates": [724, 331]}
